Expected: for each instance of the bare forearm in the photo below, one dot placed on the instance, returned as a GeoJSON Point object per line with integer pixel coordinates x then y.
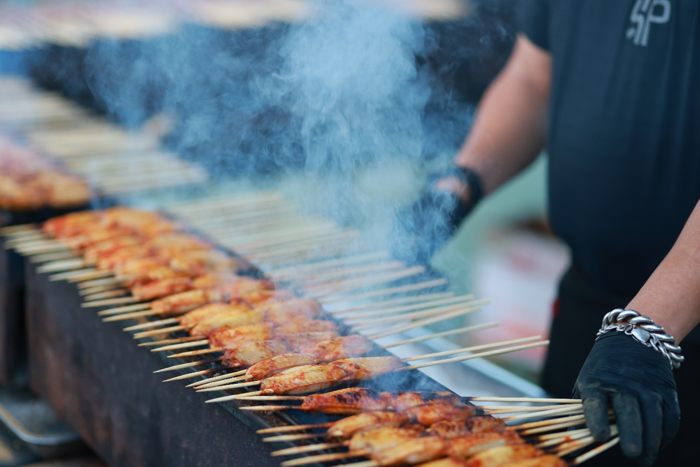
{"type": "Point", "coordinates": [671, 296]}
{"type": "Point", "coordinates": [510, 128]}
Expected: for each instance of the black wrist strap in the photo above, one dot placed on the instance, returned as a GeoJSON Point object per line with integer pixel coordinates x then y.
{"type": "Point", "coordinates": [473, 181]}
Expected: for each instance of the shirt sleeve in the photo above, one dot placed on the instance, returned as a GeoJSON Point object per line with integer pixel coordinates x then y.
{"type": "Point", "coordinates": [533, 21]}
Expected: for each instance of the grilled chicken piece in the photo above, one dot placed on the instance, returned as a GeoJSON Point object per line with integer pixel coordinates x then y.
{"type": "Point", "coordinates": [544, 461]}
{"type": "Point", "coordinates": [314, 378]}
{"type": "Point", "coordinates": [208, 281]}
{"type": "Point", "coordinates": [277, 364]}
{"type": "Point", "coordinates": [347, 427]}
{"type": "Point", "coordinates": [461, 427]}
{"type": "Point", "coordinates": [446, 462]}
{"type": "Point", "coordinates": [250, 353]}
{"type": "Point", "coordinates": [405, 400]}
{"type": "Point", "coordinates": [117, 258]}
{"type": "Point", "coordinates": [414, 451]}
{"type": "Point", "coordinates": [198, 262]}
{"type": "Point", "coordinates": [160, 288]}
{"type": "Point", "coordinates": [304, 340]}
{"type": "Point", "coordinates": [304, 379]}
{"type": "Point", "coordinates": [342, 347]}
{"type": "Point", "coordinates": [260, 297]}
{"type": "Point", "coordinates": [99, 250]}
{"type": "Point", "coordinates": [281, 312]}
{"type": "Point", "coordinates": [497, 457]}
{"type": "Point", "coordinates": [184, 301]}
{"type": "Point", "coordinates": [467, 446]}
{"type": "Point", "coordinates": [383, 437]}
{"type": "Point", "coordinates": [192, 318]}
{"type": "Point", "coordinates": [67, 225]}
{"type": "Point", "coordinates": [232, 337]}
{"type": "Point", "coordinates": [183, 241]}
{"type": "Point", "coordinates": [238, 315]}
{"type": "Point", "coordinates": [303, 325]}
{"type": "Point", "coordinates": [137, 268]}
{"type": "Point", "coordinates": [156, 274]}
{"type": "Point", "coordinates": [346, 401]}
{"type": "Point", "coordinates": [430, 414]}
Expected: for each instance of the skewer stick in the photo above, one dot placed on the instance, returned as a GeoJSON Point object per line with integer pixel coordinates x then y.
{"type": "Point", "coordinates": [364, 282]}
{"type": "Point", "coordinates": [169, 341]}
{"type": "Point", "coordinates": [378, 306]}
{"type": "Point", "coordinates": [186, 345]}
{"type": "Point", "coordinates": [560, 435]}
{"type": "Point", "coordinates": [324, 458]}
{"type": "Point", "coordinates": [152, 324]}
{"type": "Point", "coordinates": [422, 322]}
{"type": "Point", "coordinates": [305, 268]}
{"type": "Point", "coordinates": [552, 424]}
{"type": "Point", "coordinates": [285, 429]}
{"type": "Point", "coordinates": [465, 329]}
{"type": "Point", "coordinates": [79, 275]}
{"type": "Point", "coordinates": [48, 257]}
{"type": "Point", "coordinates": [97, 289]}
{"type": "Point", "coordinates": [187, 365]}
{"type": "Point", "coordinates": [567, 409]}
{"type": "Point", "coordinates": [206, 382]}
{"type": "Point", "coordinates": [124, 309]}
{"type": "Point", "coordinates": [358, 316]}
{"type": "Point", "coordinates": [361, 464]}
{"type": "Point", "coordinates": [190, 375]}
{"type": "Point", "coordinates": [62, 265]}
{"type": "Point", "coordinates": [98, 282]}
{"type": "Point", "coordinates": [389, 291]}
{"type": "Point", "coordinates": [547, 400]}
{"type": "Point", "coordinates": [594, 452]}
{"type": "Point", "coordinates": [19, 229]}
{"type": "Point", "coordinates": [109, 301]}
{"type": "Point", "coordinates": [472, 349]}
{"type": "Point", "coordinates": [573, 446]}
{"type": "Point", "coordinates": [374, 323]}
{"type": "Point", "coordinates": [88, 275]}
{"type": "Point", "coordinates": [155, 332]}
{"type": "Point", "coordinates": [568, 436]}
{"type": "Point", "coordinates": [282, 438]}
{"type": "Point", "coordinates": [103, 295]}
{"type": "Point", "coordinates": [309, 448]}
{"type": "Point", "coordinates": [126, 316]}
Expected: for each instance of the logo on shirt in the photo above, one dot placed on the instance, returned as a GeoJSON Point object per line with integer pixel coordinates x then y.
{"type": "Point", "coordinates": [644, 14]}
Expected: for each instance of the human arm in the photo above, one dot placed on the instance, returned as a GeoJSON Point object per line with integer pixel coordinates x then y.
{"type": "Point", "coordinates": [636, 379]}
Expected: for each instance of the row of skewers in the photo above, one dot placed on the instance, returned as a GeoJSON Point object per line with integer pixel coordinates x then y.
{"type": "Point", "coordinates": [108, 158]}
{"type": "Point", "coordinates": [30, 182]}
{"type": "Point", "coordinates": [264, 347]}
{"type": "Point", "coordinates": [77, 24]}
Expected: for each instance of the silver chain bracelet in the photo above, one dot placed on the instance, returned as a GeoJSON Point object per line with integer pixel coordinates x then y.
{"type": "Point", "coordinates": [644, 331]}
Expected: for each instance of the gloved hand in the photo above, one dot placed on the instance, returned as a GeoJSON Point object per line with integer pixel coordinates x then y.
{"type": "Point", "coordinates": [426, 225]}
{"type": "Point", "coordinates": [640, 384]}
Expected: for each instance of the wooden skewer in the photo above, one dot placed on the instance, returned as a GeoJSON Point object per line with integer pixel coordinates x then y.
{"type": "Point", "coordinates": [206, 382]}
{"type": "Point", "coordinates": [187, 345]}
{"type": "Point", "coordinates": [477, 327]}
{"type": "Point", "coordinates": [62, 265]}
{"type": "Point", "coordinates": [378, 306]}
{"type": "Point", "coordinates": [97, 289]}
{"type": "Point", "coordinates": [110, 301]}
{"type": "Point", "coordinates": [374, 323]}
{"type": "Point", "coordinates": [124, 309]}
{"type": "Point", "coordinates": [388, 291]}
{"type": "Point", "coordinates": [126, 316]}
{"type": "Point", "coordinates": [573, 446]}
{"type": "Point", "coordinates": [306, 268]}
{"type": "Point", "coordinates": [187, 365]}
{"type": "Point", "coordinates": [152, 324]}
{"type": "Point", "coordinates": [547, 400]}
{"type": "Point", "coordinates": [20, 229]}
{"type": "Point", "coordinates": [285, 429]}
{"type": "Point", "coordinates": [546, 426]}
{"type": "Point", "coordinates": [365, 282]}
{"type": "Point", "coordinates": [358, 316]}
{"type": "Point", "coordinates": [283, 438]}
{"type": "Point", "coordinates": [324, 458]}
{"type": "Point", "coordinates": [594, 452]}
{"type": "Point", "coordinates": [491, 409]}
{"type": "Point", "coordinates": [422, 322]}
{"type": "Point", "coordinates": [79, 275]}
{"type": "Point", "coordinates": [103, 295]}
{"type": "Point", "coordinates": [560, 435]}
{"type": "Point", "coordinates": [155, 332]}
{"type": "Point", "coordinates": [568, 436]}
{"type": "Point", "coordinates": [309, 448]}
{"type": "Point", "coordinates": [190, 375]}
{"type": "Point", "coordinates": [99, 282]}
{"type": "Point", "coordinates": [169, 341]}
{"type": "Point", "coordinates": [567, 409]}
{"type": "Point", "coordinates": [361, 464]}
{"type": "Point", "coordinates": [88, 275]}
{"type": "Point", "coordinates": [48, 257]}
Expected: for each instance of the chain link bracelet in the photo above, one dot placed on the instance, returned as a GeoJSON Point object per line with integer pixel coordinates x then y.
{"type": "Point", "coordinates": [644, 331]}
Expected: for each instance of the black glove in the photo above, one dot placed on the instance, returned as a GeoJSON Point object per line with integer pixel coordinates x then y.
{"type": "Point", "coordinates": [640, 384]}
{"type": "Point", "coordinates": [426, 225]}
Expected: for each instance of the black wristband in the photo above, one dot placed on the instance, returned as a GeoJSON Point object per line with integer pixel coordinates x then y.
{"type": "Point", "coordinates": [473, 181]}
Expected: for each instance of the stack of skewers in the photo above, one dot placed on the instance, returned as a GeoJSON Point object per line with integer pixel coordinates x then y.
{"type": "Point", "coordinates": [288, 346]}
{"type": "Point", "coordinates": [112, 160]}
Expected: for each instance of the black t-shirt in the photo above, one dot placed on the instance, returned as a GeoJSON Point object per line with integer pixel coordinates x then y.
{"type": "Point", "coordinates": [624, 129]}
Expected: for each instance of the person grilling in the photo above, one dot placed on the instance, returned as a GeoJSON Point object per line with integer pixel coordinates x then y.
{"type": "Point", "coordinates": [612, 89]}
